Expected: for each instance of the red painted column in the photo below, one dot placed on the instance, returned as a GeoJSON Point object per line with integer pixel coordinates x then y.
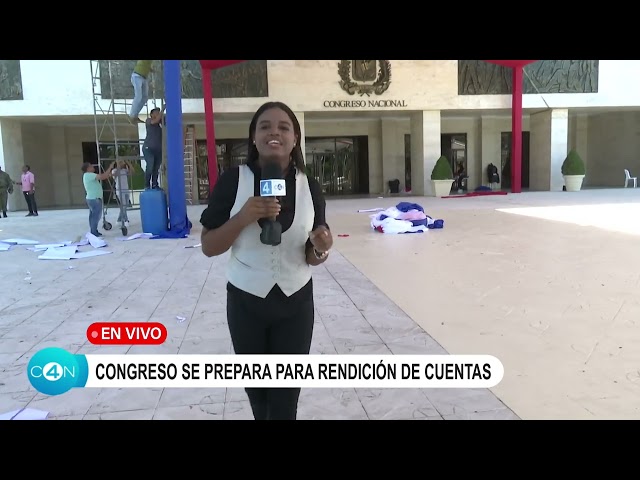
{"type": "Point", "coordinates": [516, 131]}
{"type": "Point", "coordinates": [212, 160]}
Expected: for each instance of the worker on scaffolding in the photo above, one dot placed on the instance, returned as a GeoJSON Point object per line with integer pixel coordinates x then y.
{"type": "Point", "coordinates": [152, 148]}
{"type": "Point", "coordinates": [140, 81]}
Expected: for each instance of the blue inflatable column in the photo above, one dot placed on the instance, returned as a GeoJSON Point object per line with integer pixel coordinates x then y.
{"type": "Point", "coordinates": [179, 224]}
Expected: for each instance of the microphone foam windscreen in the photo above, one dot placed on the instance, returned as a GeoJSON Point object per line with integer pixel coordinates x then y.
{"type": "Point", "coordinates": [271, 170]}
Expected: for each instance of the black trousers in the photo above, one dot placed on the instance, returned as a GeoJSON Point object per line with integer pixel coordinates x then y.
{"type": "Point", "coordinates": [31, 202]}
{"type": "Point", "coordinates": [276, 324]}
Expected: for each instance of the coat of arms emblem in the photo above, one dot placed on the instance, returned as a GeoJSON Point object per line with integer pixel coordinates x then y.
{"type": "Point", "coordinates": [364, 76]}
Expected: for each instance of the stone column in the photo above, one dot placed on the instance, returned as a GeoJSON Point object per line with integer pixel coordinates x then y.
{"type": "Point", "coordinates": [12, 160]}
{"type": "Point", "coordinates": [490, 148]}
{"type": "Point", "coordinates": [549, 148]}
{"type": "Point", "coordinates": [425, 149]}
{"type": "Point", "coordinates": [578, 139]}
{"type": "Point", "coordinates": [61, 171]}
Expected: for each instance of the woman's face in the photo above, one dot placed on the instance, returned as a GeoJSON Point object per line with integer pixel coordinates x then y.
{"type": "Point", "coordinates": [274, 136]}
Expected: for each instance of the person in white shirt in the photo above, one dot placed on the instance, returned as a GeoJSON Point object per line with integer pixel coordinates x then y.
{"type": "Point", "coordinates": [270, 306]}
{"type": "Point", "coordinates": [121, 175]}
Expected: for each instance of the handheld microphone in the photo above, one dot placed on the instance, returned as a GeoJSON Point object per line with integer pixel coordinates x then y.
{"type": "Point", "coordinates": [272, 185]}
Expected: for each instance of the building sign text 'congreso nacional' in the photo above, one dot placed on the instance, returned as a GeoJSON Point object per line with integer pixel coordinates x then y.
{"type": "Point", "coordinates": [364, 77]}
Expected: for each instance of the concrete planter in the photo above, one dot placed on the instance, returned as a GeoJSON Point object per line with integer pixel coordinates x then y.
{"type": "Point", "coordinates": [573, 182]}
{"type": "Point", "coordinates": [441, 188]}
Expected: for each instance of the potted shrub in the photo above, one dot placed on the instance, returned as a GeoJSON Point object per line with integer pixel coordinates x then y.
{"type": "Point", "coordinates": [573, 171]}
{"type": "Point", "coordinates": [442, 177]}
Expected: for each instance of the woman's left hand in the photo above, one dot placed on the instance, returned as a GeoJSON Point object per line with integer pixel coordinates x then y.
{"type": "Point", "coordinates": [321, 239]}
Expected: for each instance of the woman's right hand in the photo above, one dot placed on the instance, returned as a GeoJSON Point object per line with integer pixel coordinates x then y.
{"type": "Point", "coordinates": [256, 208]}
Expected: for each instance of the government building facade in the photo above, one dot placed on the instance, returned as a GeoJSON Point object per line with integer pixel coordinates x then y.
{"type": "Point", "coordinates": [369, 126]}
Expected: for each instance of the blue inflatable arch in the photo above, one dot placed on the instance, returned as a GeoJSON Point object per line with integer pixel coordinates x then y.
{"type": "Point", "coordinates": [179, 224]}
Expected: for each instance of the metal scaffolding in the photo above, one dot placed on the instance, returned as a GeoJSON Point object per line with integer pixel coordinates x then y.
{"type": "Point", "coordinates": [111, 121]}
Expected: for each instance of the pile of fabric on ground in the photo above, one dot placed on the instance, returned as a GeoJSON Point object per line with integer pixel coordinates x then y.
{"type": "Point", "coordinates": [405, 217]}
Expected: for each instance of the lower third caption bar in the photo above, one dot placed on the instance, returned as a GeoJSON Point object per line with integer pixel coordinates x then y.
{"type": "Point", "coordinates": [274, 371]}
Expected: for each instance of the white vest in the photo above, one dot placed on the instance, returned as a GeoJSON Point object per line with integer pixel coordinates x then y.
{"type": "Point", "coordinates": [255, 267]}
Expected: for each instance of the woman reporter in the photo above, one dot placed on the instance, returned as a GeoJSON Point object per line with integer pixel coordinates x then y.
{"type": "Point", "coordinates": [270, 306]}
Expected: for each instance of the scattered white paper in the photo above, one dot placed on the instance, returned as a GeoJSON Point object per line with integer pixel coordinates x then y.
{"type": "Point", "coordinates": [90, 253]}
{"type": "Point", "coordinates": [80, 243]}
{"type": "Point", "coordinates": [136, 235]}
{"type": "Point", "coordinates": [193, 246]}
{"type": "Point", "coordinates": [95, 241]}
{"type": "Point", "coordinates": [20, 241]}
{"type": "Point", "coordinates": [367, 210]}
{"type": "Point", "coordinates": [180, 319]}
{"type": "Point", "coordinates": [25, 414]}
{"type": "Point", "coordinates": [9, 415]}
{"type": "Point", "coordinates": [59, 253]}
{"type": "Point", "coordinates": [44, 246]}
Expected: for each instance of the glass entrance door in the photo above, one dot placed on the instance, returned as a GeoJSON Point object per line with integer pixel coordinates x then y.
{"type": "Point", "coordinates": [230, 153]}
{"type": "Point", "coordinates": [454, 147]}
{"type": "Point", "coordinates": [332, 162]}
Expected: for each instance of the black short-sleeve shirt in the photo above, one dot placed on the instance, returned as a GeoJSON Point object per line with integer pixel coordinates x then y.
{"type": "Point", "coordinates": [224, 193]}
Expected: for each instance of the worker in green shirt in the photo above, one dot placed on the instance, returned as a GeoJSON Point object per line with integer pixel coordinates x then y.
{"type": "Point", "coordinates": [140, 82]}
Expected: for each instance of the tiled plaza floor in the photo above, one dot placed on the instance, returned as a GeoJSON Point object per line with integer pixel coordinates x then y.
{"type": "Point", "coordinates": [45, 303]}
